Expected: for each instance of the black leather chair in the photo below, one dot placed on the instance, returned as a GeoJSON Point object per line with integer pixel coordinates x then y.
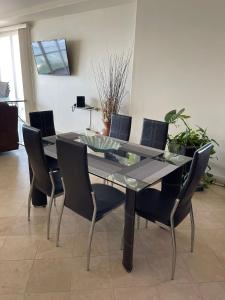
{"type": "Point", "coordinates": [44, 121]}
{"type": "Point", "coordinates": [169, 206]}
{"type": "Point", "coordinates": [120, 127]}
{"type": "Point", "coordinates": [154, 134]}
{"type": "Point", "coordinates": [91, 201]}
{"type": "Point", "coordinates": [45, 179]}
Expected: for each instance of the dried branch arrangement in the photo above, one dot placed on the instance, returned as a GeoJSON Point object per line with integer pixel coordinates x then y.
{"type": "Point", "coordinates": [111, 77]}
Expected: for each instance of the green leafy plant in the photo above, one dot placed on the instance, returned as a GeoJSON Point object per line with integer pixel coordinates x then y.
{"type": "Point", "coordinates": [189, 138]}
{"type": "Point", "coordinates": [172, 117]}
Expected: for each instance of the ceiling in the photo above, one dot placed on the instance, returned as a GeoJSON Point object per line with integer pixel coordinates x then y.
{"type": "Point", "coordinates": [13, 6]}
{"type": "Point", "coordinates": [17, 11]}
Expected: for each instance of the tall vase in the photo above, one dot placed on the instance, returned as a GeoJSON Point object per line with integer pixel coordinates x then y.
{"type": "Point", "coordinates": [106, 128]}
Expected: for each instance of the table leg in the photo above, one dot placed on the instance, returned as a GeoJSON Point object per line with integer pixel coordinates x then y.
{"type": "Point", "coordinates": [129, 230]}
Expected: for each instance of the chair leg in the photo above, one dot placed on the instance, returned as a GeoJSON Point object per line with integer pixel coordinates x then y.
{"type": "Point", "coordinates": [146, 223]}
{"type": "Point", "coordinates": [173, 237]}
{"type": "Point", "coordinates": [30, 197]}
{"type": "Point", "coordinates": [90, 242]}
{"type": "Point", "coordinates": [192, 229]}
{"type": "Point", "coordinates": [49, 213]}
{"type": "Point", "coordinates": [174, 251]}
{"type": "Point", "coordinates": [59, 223]}
{"type": "Point", "coordinates": [91, 230]}
{"type": "Point", "coordinates": [138, 222]}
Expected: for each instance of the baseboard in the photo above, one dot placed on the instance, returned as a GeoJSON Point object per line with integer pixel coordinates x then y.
{"type": "Point", "coordinates": [220, 180]}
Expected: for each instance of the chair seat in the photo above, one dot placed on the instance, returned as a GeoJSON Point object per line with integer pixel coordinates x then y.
{"type": "Point", "coordinates": [107, 198]}
{"type": "Point", "coordinates": [155, 205]}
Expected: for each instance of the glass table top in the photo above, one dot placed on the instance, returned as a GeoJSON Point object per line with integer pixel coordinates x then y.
{"type": "Point", "coordinates": [127, 164]}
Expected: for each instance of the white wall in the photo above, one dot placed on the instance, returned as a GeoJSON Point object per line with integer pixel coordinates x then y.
{"type": "Point", "coordinates": [90, 36]}
{"type": "Point", "coordinates": [180, 62]}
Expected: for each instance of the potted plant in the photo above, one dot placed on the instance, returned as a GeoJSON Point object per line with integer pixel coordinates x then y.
{"type": "Point", "coordinates": [111, 77]}
{"type": "Point", "coordinates": [187, 141]}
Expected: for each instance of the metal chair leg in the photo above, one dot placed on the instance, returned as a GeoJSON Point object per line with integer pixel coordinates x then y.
{"type": "Point", "coordinates": [59, 222]}
{"type": "Point", "coordinates": [49, 213]}
{"type": "Point", "coordinates": [174, 252]}
{"type": "Point", "coordinates": [91, 231]}
{"type": "Point", "coordinates": [173, 237]}
{"type": "Point", "coordinates": [50, 203]}
{"type": "Point", "coordinates": [30, 197]}
{"type": "Point", "coordinates": [89, 243]}
{"type": "Point", "coordinates": [138, 222]}
{"type": "Point", "coordinates": [146, 223]}
{"type": "Point", "coordinates": [192, 229]}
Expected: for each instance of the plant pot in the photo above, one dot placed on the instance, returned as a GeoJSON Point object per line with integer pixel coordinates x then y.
{"type": "Point", "coordinates": [190, 151]}
{"type": "Point", "coordinates": [176, 148]}
{"type": "Point", "coordinates": [106, 128]}
{"type": "Point", "coordinates": [182, 150]}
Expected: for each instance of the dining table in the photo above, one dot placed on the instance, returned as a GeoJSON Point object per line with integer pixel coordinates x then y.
{"type": "Point", "coordinates": [129, 165]}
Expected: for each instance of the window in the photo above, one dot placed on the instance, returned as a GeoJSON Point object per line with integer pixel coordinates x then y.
{"type": "Point", "coordinates": [10, 64]}
{"type": "Point", "coordinates": [10, 69]}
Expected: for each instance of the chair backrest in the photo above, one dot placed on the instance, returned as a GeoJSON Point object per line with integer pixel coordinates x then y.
{"type": "Point", "coordinates": [120, 127]}
{"type": "Point", "coordinates": [171, 184]}
{"type": "Point", "coordinates": [154, 134]}
{"type": "Point", "coordinates": [44, 121]}
{"type": "Point", "coordinates": [72, 160]}
{"type": "Point", "coordinates": [197, 170]}
{"type": "Point", "coordinates": [33, 145]}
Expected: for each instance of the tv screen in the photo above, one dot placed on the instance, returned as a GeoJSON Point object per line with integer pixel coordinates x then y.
{"type": "Point", "coordinates": [51, 57]}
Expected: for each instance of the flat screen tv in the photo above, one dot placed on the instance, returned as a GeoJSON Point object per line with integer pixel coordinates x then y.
{"type": "Point", "coordinates": [51, 57]}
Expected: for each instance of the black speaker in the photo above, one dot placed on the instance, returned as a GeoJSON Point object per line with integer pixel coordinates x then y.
{"type": "Point", "coordinates": [80, 101]}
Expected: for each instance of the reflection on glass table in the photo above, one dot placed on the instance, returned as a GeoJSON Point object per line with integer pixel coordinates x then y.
{"type": "Point", "coordinates": [174, 158]}
{"type": "Point", "coordinates": [127, 182]}
{"type": "Point", "coordinates": [129, 165]}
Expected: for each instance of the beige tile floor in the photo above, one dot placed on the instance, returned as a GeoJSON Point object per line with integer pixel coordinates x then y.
{"type": "Point", "coordinates": [33, 268]}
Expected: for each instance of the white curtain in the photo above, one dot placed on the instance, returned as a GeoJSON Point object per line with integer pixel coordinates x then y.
{"type": "Point", "coordinates": [10, 64]}
{"type": "Point", "coordinates": [10, 71]}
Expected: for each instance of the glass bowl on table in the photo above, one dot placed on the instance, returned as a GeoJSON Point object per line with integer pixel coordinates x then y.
{"type": "Point", "coordinates": [100, 143]}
